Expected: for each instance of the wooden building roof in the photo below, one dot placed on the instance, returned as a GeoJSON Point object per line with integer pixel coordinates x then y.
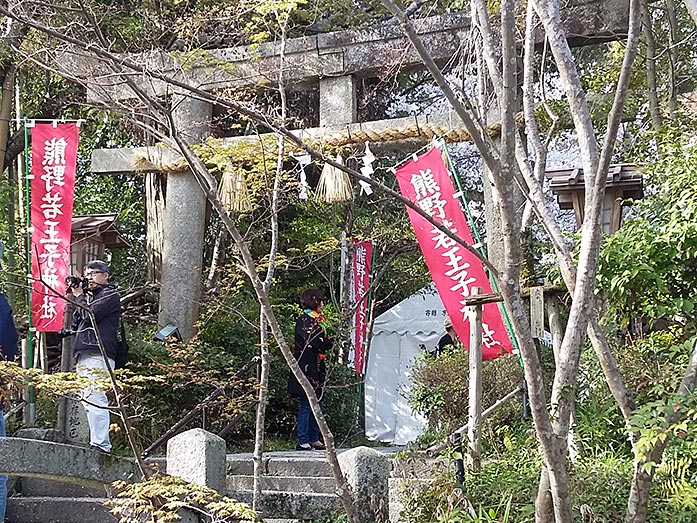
{"type": "Point", "coordinates": [99, 227]}
{"type": "Point", "coordinates": [626, 177]}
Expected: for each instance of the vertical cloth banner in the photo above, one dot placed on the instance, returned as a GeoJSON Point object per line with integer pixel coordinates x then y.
{"type": "Point", "coordinates": [425, 181]}
{"type": "Point", "coordinates": [53, 163]}
{"type": "Point", "coordinates": [360, 275]}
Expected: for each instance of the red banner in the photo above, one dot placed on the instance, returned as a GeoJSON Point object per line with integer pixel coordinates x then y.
{"type": "Point", "coordinates": [425, 181]}
{"type": "Point", "coordinates": [362, 260]}
{"type": "Point", "coordinates": [54, 156]}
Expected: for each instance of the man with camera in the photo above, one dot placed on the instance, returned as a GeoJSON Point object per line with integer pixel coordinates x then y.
{"type": "Point", "coordinates": [95, 294]}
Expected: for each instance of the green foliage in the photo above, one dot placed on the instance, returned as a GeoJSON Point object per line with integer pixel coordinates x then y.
{"type": "Point", "coordinates": [502, 491]}
{"type": "Point", "coordinates": [649, 267]}
{"type": "Point", "coordinates": [676, 477]}
{"type": "Point", "coordinates": [338, 518]}
{"type": "Point", "coordinates": [442, 387]}
{"type": "Point", "coordinates": [655, 363]}
{"type": "Point", "coordinates": [507, 482]}
{"type": "Point", "coordinates": [179, 377]}
{"type": "Point", "coordinates": [160, 499]}
{"type": "Point", "coordinates": [341, 404]}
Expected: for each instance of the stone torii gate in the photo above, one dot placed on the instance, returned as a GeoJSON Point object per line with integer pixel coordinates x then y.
{"type": "Point", "coordinates": [334, 60]}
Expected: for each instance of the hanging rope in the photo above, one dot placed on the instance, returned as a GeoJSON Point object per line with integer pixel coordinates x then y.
{"type": "Point", "coordinates": [355, 134]}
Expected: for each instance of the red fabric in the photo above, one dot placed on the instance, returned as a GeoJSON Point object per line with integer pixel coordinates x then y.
{"type": "Point", "coordinates": [54, 156]}
{"type": "Point", "coordinates": [362, 260]}
{"type": "Point", "coordinates": [425, 181]}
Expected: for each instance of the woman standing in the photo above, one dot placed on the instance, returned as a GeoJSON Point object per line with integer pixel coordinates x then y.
{"type": "Point", "coordinates": [311, 346]}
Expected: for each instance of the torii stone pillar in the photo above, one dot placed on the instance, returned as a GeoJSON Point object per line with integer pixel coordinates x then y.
{"type": "Point", "coordinates": [184, 226]}
{"type": "Point", "coordinates": [337, 101]}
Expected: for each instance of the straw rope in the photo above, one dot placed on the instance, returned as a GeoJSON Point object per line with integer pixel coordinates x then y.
{"type": "Point", "coordinates": [414, 130]}
{"type": "Point", "coordinates": [352, 136]}
{"type": "Point", "coordinates": [142, 162]}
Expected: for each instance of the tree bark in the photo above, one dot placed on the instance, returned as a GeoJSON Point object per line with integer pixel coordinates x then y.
{"type": "Point", "coordinates": [262, 396]}
{"type": "Point", "coordinates": [637, 504]}
{"type": "Point", "coordinates": [673, 58]}
{"type": "Point", "coordinates": [8, 84]}
{"type": "Point", "coordinates": [266, 286]}
{"type": "Point", "coordinates": [652, 91]}
{"type": "Point", "coordinates": [543, 501]}
{"type": "Point", "coordinates": [217, 259]}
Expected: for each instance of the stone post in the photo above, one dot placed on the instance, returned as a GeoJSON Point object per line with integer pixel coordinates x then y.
{"type": "Point", "coordinates": [72, 420]}
{"type": "Point", "coordinates": [198, 456]}
{"type": "Point", "coordinates": [337, 101]}
{"type": "Point", "coordinates": [184, 226]}
{"type": "Point", "coordinates": [367, 472]}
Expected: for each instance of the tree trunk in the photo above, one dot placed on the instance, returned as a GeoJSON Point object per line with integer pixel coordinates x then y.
{"type": "Point", "coordinates": [217, 259]}
{"type": "Point", "coordinates": [345, 305]}
{"type": "Point", "coordinates": [260, 422]}
{"type": "Point", "coordinates": [543, 502]}
{"type": "Point", "coordinates": [673, 57]}
{"type": "Point", "coordinates": [647, 30]}
{"type": "Point", "coordinates": [637, 504]}
{"type": "Point", "coordinates": [6, 109]}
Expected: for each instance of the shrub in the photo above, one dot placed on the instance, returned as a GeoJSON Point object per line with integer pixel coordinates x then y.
{"type": "Point", "coordinates": [441, 389]}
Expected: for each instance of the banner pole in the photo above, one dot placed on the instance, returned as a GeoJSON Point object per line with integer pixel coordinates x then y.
{"type": "Point", "coordinates": [482, 248]}
{"type": "Point", "coordinates": [31, 406]}
{"type": "Point", "coordinates": [366, 345]}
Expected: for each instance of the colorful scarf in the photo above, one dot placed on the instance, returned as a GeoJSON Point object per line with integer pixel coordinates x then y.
{"type": "Point", "coordinates": [322, 323]}
{"type": "Point", "coordinates": [317, 317]}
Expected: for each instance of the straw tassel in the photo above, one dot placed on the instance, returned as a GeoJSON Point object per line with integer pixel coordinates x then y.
{"type": "Point", "coordinates": [233, 191]}
{"type": "Point", "coordinates": [334, 184]}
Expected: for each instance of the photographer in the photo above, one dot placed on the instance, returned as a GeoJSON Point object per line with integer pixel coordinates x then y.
{"type": "Point", "coordinates": [100, 296]}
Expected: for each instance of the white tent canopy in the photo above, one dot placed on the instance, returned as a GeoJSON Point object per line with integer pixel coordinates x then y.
{"type": "Point", "coordinates": [399, 335]}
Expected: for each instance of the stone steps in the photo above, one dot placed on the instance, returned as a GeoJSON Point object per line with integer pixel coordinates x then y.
{"type": "Point", "coordinates": [289, 463]}
{"type": "Point", "coordinates": [318, 485]}
{"type": "Point", "coordinates": [292, 505]}
{"type": "Point", "coordinates": [289, 506]}
{"type": "Point", "coordinates": [58, 510]}
{"type": "Point", "coordinates": [37, 487]}
{"type": "Point", "coordinates": [295, 486]}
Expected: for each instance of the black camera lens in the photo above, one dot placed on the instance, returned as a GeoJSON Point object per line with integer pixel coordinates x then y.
{"type": "Point", "coordinates": [73, 282]}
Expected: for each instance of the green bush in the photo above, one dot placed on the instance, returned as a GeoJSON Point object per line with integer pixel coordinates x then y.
{"type": "Point", "coordinates": [173, 378]}
{"type": "Point", "coordinates": [441, 388]}
{"type": "Point", "coordinates": [506, 486]}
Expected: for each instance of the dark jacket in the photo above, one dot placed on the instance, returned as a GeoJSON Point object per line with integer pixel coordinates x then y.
{"type": "Point", "coordinates": [8, 335]}
{"type": "Point", "coordinates": [106, 306]}
{"type": "Point", "coordinates": [311, 343]}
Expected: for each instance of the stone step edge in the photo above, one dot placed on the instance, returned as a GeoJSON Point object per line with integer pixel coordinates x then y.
{"type": "Point", "coordinates": [279, 476]}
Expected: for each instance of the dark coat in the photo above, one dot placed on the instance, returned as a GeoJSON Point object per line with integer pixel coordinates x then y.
{"type": "Point", "coordinates": [8, 333]}
{"type": "Point", "coordinates": [106, 306]}
{"type": "Point", "coordinates": [311, 341]}
{"type": "Point", "coordinates": [8, 336]}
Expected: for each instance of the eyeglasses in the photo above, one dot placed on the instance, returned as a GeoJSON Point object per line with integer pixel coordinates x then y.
{"type": "Point", "coordinates": [91, 274]}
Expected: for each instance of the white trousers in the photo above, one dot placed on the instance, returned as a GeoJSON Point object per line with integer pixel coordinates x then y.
{"type": "Point", "coordinates": [95, 401]}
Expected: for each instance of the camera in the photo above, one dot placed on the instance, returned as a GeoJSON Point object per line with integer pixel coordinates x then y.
{"type": "Point", "coordinates": [74, 282]}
